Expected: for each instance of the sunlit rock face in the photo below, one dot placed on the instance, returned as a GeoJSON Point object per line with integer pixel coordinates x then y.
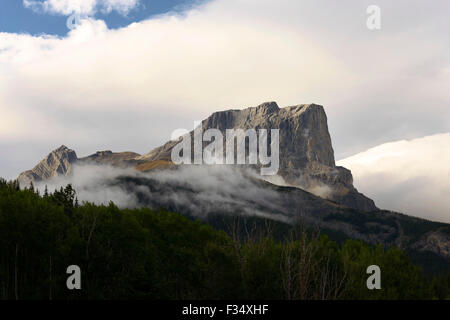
{"type": "Point", "coordinates": [305, 149]}
{"type": "Point", "coordinates": [57, 163]}
{"type": "Point", "coordinates": [60, 162]}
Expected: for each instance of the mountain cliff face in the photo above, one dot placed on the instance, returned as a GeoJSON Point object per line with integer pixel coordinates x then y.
{"type": "Point", "coordinates": [306, 153]}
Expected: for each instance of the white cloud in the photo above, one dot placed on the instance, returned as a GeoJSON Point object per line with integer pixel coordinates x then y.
{"type": "Point", "coordinates": [410, 176]}
{"type": "Point", "coordinates": [236, 53]}
{"type": "Point", "coordinates": [200, 62]}
{"type": "Point", "coordinates": [198, 190]}
{"type": "Point", "coordinates": [82, 7]}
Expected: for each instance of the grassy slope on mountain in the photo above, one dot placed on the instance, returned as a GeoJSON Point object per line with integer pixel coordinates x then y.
{"type": "Point", "coordinates": [150, 165]}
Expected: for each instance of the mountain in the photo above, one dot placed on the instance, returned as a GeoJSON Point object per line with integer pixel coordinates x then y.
{"type": "Point", "coordinates": [60, 161]}
{"type": "Point", "coordinates": [306, 153]}
{"type": "Point", "coordinates": [307, 168]}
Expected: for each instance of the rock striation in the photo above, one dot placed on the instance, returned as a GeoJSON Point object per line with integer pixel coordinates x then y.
{"type": "Point", "coordinates": [60, 163]}
{"type": "Point", "coordinates": [57, 163]}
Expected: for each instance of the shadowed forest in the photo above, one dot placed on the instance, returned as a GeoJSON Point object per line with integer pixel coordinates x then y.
{"type": "Point", "coordinates": [156, 254]}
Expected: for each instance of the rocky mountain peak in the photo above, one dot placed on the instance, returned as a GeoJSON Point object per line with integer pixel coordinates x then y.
{"type": "Point", "coordinates": [306, 153]}
{"type": "Point", "coordinates": [57, 163]}
{"type": "Point", "coordinates": [60, 162]}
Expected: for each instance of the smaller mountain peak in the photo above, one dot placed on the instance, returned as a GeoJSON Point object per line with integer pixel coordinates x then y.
{"type": "Point", "coordinates": [56, 163]}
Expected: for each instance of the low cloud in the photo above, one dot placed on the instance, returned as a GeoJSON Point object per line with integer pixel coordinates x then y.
{"type": "Point", "coordinates": [194, 190]}
{"type": "Point", "coordinates": [93, 184]}
{"type": "Point", "coordinates": [409, 176]}
{"type": "Point", "coordinates": [316, 187]}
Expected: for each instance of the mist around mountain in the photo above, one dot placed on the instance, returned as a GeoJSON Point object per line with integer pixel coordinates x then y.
{"type": "Point", "coordinates": [306, 153]}
{"type": "Point", "coordinates": [202, 192]}
{"type": "Point", "coordinates": [309, 190]}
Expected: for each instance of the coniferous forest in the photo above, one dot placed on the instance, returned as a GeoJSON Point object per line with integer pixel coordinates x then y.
{"type": "Point", "coordinates": [156, 254]}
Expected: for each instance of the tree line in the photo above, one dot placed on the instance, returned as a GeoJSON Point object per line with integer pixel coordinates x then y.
{"type": "Point", "coordinates": [157, 254]}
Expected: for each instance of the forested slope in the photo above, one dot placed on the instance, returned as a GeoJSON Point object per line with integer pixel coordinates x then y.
{"type": "Point", "coordinates": [146, 254]}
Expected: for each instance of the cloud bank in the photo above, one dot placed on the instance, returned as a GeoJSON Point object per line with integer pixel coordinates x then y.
{"type": "Point", "coordinates": [194, 190]}
{"type": "Point", "coordinates": [409, 176]}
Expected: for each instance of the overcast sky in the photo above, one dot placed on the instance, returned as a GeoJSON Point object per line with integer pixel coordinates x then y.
{"type": "Point", "coordinates": [133, 71]}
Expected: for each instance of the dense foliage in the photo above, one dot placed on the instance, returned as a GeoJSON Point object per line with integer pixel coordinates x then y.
{"type": "Point", "coordinates": [146, 254]}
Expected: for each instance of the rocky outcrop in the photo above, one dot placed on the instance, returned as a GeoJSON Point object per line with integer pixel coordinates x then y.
{"type": "Point", "coordinates": [57, 163]}
{"type": "Point", "coordinates": [435, 241]}
{"type": "Point", "coordinates": [60, 163]}
{"type": "Point", "coordinates": [306, 153]}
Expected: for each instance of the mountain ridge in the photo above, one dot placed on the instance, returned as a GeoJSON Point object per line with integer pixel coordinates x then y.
{"type": "Point", "coordinates": [306, 161]}
{"type": "Point", "coordinates": [306, 152]}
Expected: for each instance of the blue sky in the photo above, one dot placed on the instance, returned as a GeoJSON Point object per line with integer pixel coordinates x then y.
{"type": "Point", "coordinates": [16, 18]}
